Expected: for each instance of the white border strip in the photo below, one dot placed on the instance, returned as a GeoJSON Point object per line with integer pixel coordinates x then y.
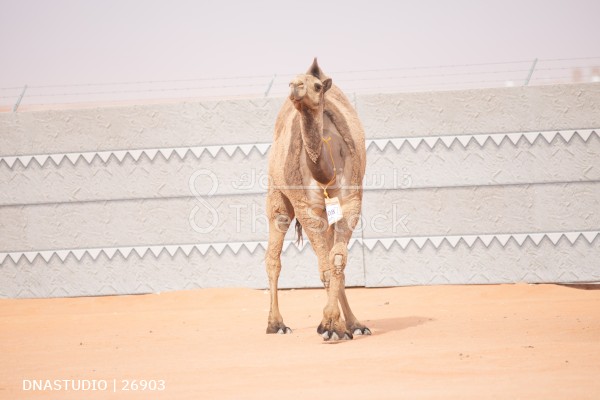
{"type": "Point", "coordinates": [235, 247]}
{"type": "Point", "coordinates": [246, 149]}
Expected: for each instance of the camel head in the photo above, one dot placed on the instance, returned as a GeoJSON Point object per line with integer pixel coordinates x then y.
{"type": "Point", "coordinates": [307, 90]}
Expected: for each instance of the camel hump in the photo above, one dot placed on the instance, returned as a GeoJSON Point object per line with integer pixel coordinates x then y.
{"type": "Point", "coordinates": [345, 118]}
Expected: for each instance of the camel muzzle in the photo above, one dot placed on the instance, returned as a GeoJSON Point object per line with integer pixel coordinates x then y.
{"type": "Point", "coordinates": [297, 90]}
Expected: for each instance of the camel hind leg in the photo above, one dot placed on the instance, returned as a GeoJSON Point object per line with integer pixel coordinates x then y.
{"type": "Point", "coordinates": [280, 214]}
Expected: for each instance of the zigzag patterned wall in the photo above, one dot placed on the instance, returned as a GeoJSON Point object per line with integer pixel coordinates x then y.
{"type": "Point", "coordinates": [486, 186]}
{"type": "Point", "coordinates": [262, 148]}
{"type": "Point", "coordinates": [251, 247]}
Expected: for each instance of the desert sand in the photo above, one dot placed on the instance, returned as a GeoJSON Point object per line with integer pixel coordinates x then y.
{"type": "Point", "coordinates": [506, 341]}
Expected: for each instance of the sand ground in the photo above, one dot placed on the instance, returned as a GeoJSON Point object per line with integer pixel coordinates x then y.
{"type": "Point", "coordinates": [507, 341]}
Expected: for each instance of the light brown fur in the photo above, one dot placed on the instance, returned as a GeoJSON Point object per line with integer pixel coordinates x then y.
{"type": "Point", "coordinates": [300, 164]}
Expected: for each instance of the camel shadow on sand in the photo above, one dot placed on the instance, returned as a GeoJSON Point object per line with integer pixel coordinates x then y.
{"type": "Point", "coordinates": [386, 325]}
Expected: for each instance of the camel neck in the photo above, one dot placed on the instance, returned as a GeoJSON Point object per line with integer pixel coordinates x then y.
{"type": "Point", "coordinates": [321, 167]}
{"type": "Point", "coordinates": [312, 133]}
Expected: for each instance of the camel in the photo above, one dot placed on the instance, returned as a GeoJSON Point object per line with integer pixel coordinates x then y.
{"type": "Point", "coordinates": [318, 155]}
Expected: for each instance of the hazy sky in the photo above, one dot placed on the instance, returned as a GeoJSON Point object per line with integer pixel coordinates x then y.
{"type": "Point", "coordinates": [62, 41]}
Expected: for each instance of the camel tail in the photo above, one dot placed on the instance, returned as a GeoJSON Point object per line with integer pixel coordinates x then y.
{"type": "Point", "coordinates": [299, 238]}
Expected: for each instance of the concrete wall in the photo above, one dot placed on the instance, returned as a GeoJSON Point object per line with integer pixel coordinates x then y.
{"type": "Point", "coordinates": [481, 186]}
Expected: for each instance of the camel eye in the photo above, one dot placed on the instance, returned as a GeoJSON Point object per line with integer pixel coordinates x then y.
{"type": "Point", "coordinates": [318, 87]}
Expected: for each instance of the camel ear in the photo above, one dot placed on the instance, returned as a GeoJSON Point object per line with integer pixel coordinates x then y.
{"type": "Point", "coordinates": [315, 70]}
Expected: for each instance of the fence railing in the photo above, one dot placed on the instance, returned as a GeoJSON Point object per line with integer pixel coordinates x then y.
{"type": "Point", "coordinates": [386, 80]}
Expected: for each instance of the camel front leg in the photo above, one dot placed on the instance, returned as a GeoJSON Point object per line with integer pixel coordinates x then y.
{"type": "Point", "coordinates": [313, 220]}
{"type": "Point", "coordinates": [339, 255]}
{"type": "Point", "coordinates": [352, 323]}
{"type": "Point", "coordinates": [280, 216]}
{"type": "Point", "coordinates": [332, 326]}
{"type": "Point", "coordinates": [273, 263]}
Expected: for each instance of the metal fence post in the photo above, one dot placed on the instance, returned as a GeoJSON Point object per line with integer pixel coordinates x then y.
{"type": "Point", "coordinates": [16, 106]}
{"type": "Point", "coordinates": [270, 85]}
{"type": "Point", "coordinates": [530, 72]}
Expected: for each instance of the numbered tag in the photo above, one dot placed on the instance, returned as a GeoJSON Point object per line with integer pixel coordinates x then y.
{"type": "Point", "coordinates": [333, 209]}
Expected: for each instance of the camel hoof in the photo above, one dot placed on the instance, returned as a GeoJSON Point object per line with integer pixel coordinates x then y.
{"type": "Point", "coordinates": [329, 336]}
{"type": "Point", "coordinates": [278, 328]}
{"type": "Point", "coordinates": [334, 330]}
{"type": "Point", "coordinates": [364, 331]}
